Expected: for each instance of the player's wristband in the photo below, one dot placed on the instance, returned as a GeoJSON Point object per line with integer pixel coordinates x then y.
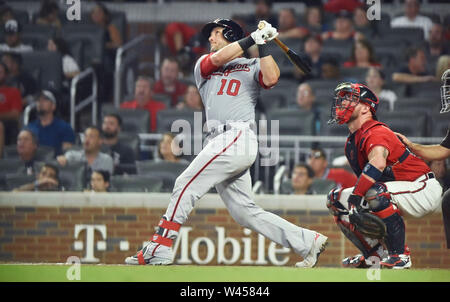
{"type": "Point", "coordinates": [246, 43]}
{"type": "Point", "coordinates": [263, 50]}
{"type": "Point", "coordinates": [363, 185]}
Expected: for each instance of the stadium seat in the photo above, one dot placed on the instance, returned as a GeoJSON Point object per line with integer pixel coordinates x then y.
{"type": "Point", "coordinates": [292, 122]}
{"type": "Point", "coordinates": [46, 66]}
{"type": "Point", "coordinates": [161, 97]}
{"type": "Point", "coordinates": [427, 105]}
{"type": "Point", "coordinates": [92, 38]}
{"type": "Point", "coordinates": [131, 139]}
{"type": "Point", "coordinates": [429, 90]}
{"type": "Point", "coordinates": [11, 166]}
{"type": "Point", "coordinates": [37, 35]}
{"type": "Point", "coordinates": [166, 171]}
{"type": "Point", "coordinates": [43, 153]}
{"type": "Point", "coordinates": [354, 74]}
{"type": "Point", "coordinates": [14, 181]}
{"type": "Point", "coordinates": [411, 36]}
{"type": "Point", "coordinates": [400, 121]}
{"type": "Point", "coordinates": [166, 118]}
{"type": "Point", "coordinates": [273, 98]}
{"type": "Point", "coordinates": [322, 186]}
{"type": "Point", "coordinates": [136, 183]}
{"type": "Point", "coordinates": [133, 120]}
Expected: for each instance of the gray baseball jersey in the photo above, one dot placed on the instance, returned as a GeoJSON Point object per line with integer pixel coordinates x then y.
{"type": "Point", "coordinates": [230, 93]}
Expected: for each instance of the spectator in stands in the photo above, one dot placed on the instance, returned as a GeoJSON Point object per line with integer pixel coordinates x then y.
{"type": "Point", "coordinates": [143, 100]}
{"type": "Point", "coordinates": [49, 14]}
{"type": "Point", "coordinates": [12, 30]}
{"type": "Point", "coordinates": [336, 6]}
{"type": "Point", "coordinates": [375, 79]}
{"type": "Point", "coordinates": [90, 154]}
{"type": "Point", "coordinates": [51, 130]}
{"type": "Point", "coordinates": [99, 181]}
{"type": "Point", "coordinates": [26, 148]}
{"type": "Point", "coordinates": [192, 99]}
{"type": "Point", "coordinates": [46, 180]}
{"type": "Point", "coordinates": [318, 162]}
{"type": "Point", "coordinates": [287, 25]}
{"type": "Point", "coordinates": [343, 28]}
{"type": "Point", "coordinates": [314, 20]}
{"type": "Point", "coordinates": [69, 65]}
{"type": "Point", "coordinates": [301, 180]}
{"type": "Point", "coordinates": [101, 16]}
{"type": "Point", "coordinates": [19, 78]}
{"type": "Point", "coordinates": [436, 46]}
{"type": "Point", "coordinates": [169, 83]}
{"type": "Point", "coordinates": [415, 71]}
{"type": "Point", "coordinates": [306, 101]}
{"type": "Point", "coordinates": [10, 107]}
{"type": "Point", "coordinates": [120, 153]}
{"type": "Point", "coordinates": [362, 24]}
{"type": "Point", "coordinates": [443, 63]}
{"type": "Point", "coordinates": [169, 149]}
{"type": "Point", "coordinates": [177, 35]}
{"type": "Point", "coordinates": [412, 19]}
{"type": "Point", "coordinates": [313, 48]}
{"type": "Point", "coordinates": [6, 14]}
{"type": "Point", "coordinates": [362, 55]}
{"type": "Point", "coordinates": [330, 69]}
{"type": "Point", "coordinates": [263, 11]}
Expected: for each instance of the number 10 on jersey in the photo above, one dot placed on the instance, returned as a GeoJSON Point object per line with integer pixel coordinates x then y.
{"type": "Point", "coordinates": [232, 87]}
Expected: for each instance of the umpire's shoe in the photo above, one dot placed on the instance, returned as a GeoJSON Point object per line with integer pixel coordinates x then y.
{"type": "Point", "coordinates": [320, 242]}
{"type": "Point", "coordinates": [152, 254]}
{"type": "Point", "coordinates": [400, 261]}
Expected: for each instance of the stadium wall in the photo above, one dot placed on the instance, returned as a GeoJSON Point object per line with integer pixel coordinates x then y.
{"type": "Point", "coordinates": [105, 228]}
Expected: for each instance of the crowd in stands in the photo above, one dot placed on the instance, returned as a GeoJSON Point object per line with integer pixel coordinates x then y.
{"type": "Point", "coordinates": [400, 57]}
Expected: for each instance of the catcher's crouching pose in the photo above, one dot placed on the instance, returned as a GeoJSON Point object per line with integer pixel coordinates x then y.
{"type": "Point", "coordinates": [229, 85]}
{"type": "Point", "coordinates": [392, 182]}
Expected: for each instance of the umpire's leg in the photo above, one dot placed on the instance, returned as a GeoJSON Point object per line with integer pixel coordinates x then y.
{"type": "Point", "coordinates": [446, 215]}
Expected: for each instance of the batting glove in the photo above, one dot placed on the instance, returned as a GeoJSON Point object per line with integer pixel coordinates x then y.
{"type": "Point", "coordinates": [257, 37]}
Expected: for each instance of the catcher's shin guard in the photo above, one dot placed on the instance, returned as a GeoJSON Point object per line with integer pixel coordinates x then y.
{"type": "Point", "coordinates": [367, 246]}
{"type": "Point", "coordinates": [380, 204]}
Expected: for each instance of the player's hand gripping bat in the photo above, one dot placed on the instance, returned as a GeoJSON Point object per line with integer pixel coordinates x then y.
{"type": "Point", "coordinates": [296, 59]}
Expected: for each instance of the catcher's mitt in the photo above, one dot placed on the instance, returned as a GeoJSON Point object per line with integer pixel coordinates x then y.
{"type": "Point", "coordinates": [368, 224]}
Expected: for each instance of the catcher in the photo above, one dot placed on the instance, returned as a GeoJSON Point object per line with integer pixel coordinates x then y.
{"type": "Point", "coordinates": [392, 182]}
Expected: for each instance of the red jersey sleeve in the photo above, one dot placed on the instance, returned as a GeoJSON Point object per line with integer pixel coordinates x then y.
{"type": "Point", "coordinates": [380, 136]}
{"type": "Point", "coordinates": [207, 67]}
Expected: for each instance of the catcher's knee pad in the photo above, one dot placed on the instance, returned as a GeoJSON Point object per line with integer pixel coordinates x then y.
{"type": "Point", "coordinates": [380, 205]}
{"type": "Point", "coordinates": [334, 205]}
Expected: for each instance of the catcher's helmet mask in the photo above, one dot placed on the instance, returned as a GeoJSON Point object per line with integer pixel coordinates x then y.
{"type": "Point", "coordinates": [445, 92]}
{"type": "Point", "coordinates": [353, 94]}
{"type": "Point", "coordinates": [231, 30]}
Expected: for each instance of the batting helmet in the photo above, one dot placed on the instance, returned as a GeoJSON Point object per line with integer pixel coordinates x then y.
{"type": "Point", "coordinates": [353, 93]}
{"type": "Point", "coordinates": [231, 30]}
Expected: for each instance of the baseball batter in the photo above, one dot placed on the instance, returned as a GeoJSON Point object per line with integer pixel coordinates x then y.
{"type": "Point", "coordinates": [392, 181]}
{"type": "Point", "coordinates": [229, 85]}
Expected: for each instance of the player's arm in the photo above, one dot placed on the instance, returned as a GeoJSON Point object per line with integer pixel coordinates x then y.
{"type": "Point", "coordinates": [228, 53]}
{"type": "Point", "coordinates": [269, 69]}
{"type": "Point", "coordinates": [427, 152]}
{"type": "Point", "coordinates": [372, 172]}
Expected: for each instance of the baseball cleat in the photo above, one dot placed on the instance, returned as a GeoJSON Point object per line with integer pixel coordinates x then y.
{"type": "Point", "coordinates": [358, 261]}
{"type": "Point", "coordinates": [320, 242]}
{"type": "Point", "coordinates": [400, 261]}
{"type": "Point", "coordinates": [152, 254]}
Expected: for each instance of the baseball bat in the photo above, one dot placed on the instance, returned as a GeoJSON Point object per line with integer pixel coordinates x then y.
{"type": "Point", "coordinates": [295, 58]}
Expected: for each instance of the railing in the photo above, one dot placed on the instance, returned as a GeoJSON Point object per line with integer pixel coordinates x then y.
{"type": "Point", "coordinates": [299, 146]}
{"type": "Point", "coordinates": [122, 61]}
{"type": "Point", "coordinates": [27, 112]}
{"type": "Point", "coordinates": [91, 99]}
